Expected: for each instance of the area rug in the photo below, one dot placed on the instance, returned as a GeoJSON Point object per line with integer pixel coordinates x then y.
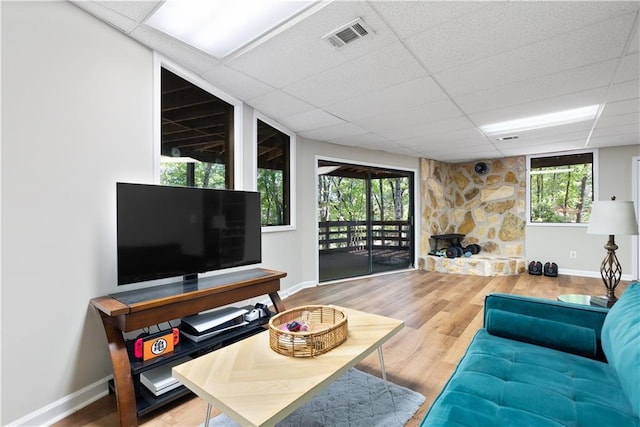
{"type": "Point", "coordinates": [356, 399]}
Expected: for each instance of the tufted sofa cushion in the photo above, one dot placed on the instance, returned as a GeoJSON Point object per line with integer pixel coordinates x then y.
{"type": "Point", "coordinates": [505, 382]}
{"type": "Point", "coordinates": [621, 343]}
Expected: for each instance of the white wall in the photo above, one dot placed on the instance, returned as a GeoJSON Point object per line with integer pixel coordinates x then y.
{"type": "Point", "coordinates": [553, 243]}
{"type": "Point", "coordinates": [77, 117]}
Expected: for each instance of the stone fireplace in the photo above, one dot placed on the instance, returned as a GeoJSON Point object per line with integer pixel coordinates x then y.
{"type": "Point", "coordinates": [488, 208]}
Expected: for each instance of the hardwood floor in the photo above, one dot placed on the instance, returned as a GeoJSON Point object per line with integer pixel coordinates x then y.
{"type": "Point", "coordinates": [441, 312]}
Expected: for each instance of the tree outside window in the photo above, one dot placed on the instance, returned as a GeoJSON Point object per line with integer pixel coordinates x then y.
{"type": "Point", "coordinates": [561, 188]}
{"type": "Point", "coordinates": [273, 177]}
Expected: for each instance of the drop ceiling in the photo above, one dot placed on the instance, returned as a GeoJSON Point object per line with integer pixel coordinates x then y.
{"type": "Point", "coordinates": [430, 73]}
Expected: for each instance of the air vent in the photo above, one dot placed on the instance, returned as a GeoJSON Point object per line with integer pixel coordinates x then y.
{"type": "Point", "coordinates": [507, 138]}
{"type": "Point", "coordinates": [348, 33]}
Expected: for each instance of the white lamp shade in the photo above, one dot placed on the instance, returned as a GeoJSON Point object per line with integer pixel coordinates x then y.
{"type": "Point", "coordinates": [613, 217]}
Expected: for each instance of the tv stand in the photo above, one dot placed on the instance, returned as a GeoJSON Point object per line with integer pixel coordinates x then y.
{"type": "Point", "coordinates": [132, 310]}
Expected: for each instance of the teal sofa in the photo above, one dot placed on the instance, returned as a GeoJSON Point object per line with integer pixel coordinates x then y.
{"type": "Point", "coordinates": [546, 363]}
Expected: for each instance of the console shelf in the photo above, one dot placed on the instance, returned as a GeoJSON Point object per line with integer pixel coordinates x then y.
{"type": "Point", "coordinates": [133, 310]}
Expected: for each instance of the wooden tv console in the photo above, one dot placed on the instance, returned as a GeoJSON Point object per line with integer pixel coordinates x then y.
{"type": "Point", "coordinates": [132, 310]}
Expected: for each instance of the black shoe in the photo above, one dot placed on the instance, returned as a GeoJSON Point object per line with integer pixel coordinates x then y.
{"type": "Point", "coordinates": [535, 268]}
{"type": "Point", "coordinates": [551, 269]}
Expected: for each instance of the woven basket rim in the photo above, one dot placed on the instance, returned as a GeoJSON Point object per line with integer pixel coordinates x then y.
{"type": "Point", "coordinates": [305, 308]}
{"type": "Point", "coordinates": [276, 334]}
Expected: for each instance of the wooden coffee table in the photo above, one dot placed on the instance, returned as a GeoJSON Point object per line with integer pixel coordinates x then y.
{"type": "Point", "coordinates": [256, 386]}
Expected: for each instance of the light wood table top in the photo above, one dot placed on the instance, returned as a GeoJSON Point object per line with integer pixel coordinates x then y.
{"type": "Point", "coordinates": [256, 386]}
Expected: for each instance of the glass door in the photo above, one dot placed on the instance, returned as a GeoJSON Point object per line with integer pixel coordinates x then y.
{"type": "Point", "coordinates": [365, 219]}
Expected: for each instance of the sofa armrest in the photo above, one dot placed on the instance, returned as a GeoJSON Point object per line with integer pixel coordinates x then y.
{"type": "Point", "coordinates": [567, 327]}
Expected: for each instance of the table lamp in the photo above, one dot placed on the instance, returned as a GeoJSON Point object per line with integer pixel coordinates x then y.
{"type": "Point", "coordinates": [612, 217]}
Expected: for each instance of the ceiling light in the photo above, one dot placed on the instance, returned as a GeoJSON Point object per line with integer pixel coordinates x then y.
{"type": "Point", "coordinates": [221, 27]}
{"type": "Point", "coordinates": [542, 121]}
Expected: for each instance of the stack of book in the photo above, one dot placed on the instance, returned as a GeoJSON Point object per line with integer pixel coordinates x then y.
{"type": "Point", "coordinates": [601, 301]}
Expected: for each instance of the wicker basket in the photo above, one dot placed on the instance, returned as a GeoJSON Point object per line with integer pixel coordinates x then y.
{"type": "Point", "coordinates": [327, 329]}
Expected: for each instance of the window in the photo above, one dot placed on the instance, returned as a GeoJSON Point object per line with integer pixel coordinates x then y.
{"type": "Point", "coordinates": [561, 188]}
{"type": "Point", "coordinates": [196, 137]}
{"type": "Point", "coordinates": [274, 174]}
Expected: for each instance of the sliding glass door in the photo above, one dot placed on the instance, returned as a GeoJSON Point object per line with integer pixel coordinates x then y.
{"type": "Point", "coordinates": [365, 219]}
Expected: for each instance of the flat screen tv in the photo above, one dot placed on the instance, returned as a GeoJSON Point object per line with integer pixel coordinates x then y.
{"type": "Point", "coordinates": [165, 231]}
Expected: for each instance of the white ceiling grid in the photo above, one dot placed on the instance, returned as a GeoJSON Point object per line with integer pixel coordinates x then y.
{"type": "Point", "coordinates": [430, 73]}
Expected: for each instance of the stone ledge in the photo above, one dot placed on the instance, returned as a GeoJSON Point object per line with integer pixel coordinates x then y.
{"type": "Point", "coordinates": [476, 265]}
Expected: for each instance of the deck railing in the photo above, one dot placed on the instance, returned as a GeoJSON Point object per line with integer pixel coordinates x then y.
{"type": "Point", "coordinates": [344, 235]}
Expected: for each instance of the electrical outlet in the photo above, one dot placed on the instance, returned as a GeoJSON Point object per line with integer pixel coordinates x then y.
{"type": "Point", "coordinates": [572, 254]}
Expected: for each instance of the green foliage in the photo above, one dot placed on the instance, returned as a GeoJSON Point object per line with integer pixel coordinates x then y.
{"type": "Point", "coordinates": [561, 194]}
{"type": "Point", "coordinates": [345, 199]}
{"type": "Point", "coordinates": [206, 175]}
{"type": "Point", "coordinates": [271, 188]}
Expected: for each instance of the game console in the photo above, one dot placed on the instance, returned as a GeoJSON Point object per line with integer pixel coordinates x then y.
{"type": "Point", "coordinates": [202, 326]}
{"type": "Point", "coordinates": [159, 380]}
{"type": "Point", "coordinates": [148, 346]}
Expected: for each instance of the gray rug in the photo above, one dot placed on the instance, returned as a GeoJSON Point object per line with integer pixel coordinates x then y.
{"type": "Point", "coordinates": [356, 399]}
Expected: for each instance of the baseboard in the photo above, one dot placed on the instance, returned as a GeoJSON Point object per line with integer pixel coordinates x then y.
{"type": "Point", "coordinates": [65, 406]}
{"type": "Point", "coordinates": [297, 288]}
{"type": "Point", "coordinates": [583, 273]}
{"type": "Point", "coordinates": [73, 402]}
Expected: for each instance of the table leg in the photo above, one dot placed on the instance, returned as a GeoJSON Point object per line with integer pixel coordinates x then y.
{"type": "Point", "coordinates": [207, 416]}
{"type": "Point", "coordinates": [382, 369]}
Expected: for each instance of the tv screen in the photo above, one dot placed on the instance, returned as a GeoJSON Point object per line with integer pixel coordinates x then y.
{"type": "Point", "coordinates": [167, 231]}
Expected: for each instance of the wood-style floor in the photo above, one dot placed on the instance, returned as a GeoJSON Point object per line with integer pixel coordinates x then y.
{"type": "Point", "coordinates": [441, 312]}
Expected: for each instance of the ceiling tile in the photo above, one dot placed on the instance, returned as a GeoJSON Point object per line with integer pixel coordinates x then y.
{"type": "Point", "coordinates": [620, 120]}
{"type": "Point", "coordinates": [408, 18]}
{"type": "Point", "coordinates": [615, 141]}
{"type": "Point", "coordinates": [279, 103]}
{"type": "Point", "coordinates": [136, 10]}
{"type": "Point", "coordinates": [365, 139]}
{"type": "Point", "coordinates": [335, 131]}
{"type": "Point", "coordinates": [428, 129]}
{"type": "Point", "coordinates": [505, 26]}
{"type": "Point", "coordinates": [411, 116]}
{"type": "Point", "coordinates": [597, 75]}
{"type": "Point", "coordinates": [463, 136]}
{"type": "Point", "coordinates": [629, 69]}
{"type": "Point", "coordinates": [596, 43]}
{"type": "Point", "coordinates": [621, 107]}
{"type": "Point", "coordinates": [310, 120]}
{"type": "Point", "coordinates": [616, 130]}
{"type": "Point", "coordinates": [381, 69]}
{"type": "Point", "coordinates": [234, 83]}
{"type": "Point", "coordinates": [622, 91]}
{"type": "Point", "coordinates": [405, 95]}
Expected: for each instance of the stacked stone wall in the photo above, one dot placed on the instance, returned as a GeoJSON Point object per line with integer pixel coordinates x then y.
{"type": "Point", "coordinates": [489, 209]}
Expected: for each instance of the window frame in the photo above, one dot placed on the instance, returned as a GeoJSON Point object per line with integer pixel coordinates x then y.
{"type": "Point", "coordinates": [160, 62]}
{"type": "Point", "coordinates": [292, 168]}
{"type": "Point", "coordinates": [596, 180]}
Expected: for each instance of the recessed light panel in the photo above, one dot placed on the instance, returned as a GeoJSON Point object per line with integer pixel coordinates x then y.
{"type": "Point", "coordinates": [542, 121]}
{"type": "Point", "coordinates": [221, 27]}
